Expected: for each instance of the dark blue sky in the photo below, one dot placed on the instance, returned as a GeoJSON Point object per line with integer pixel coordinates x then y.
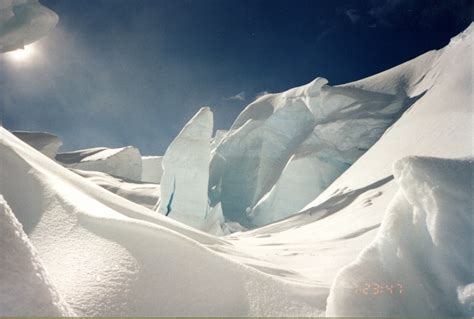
{"type": "Point", "coordinates": [132, 72]}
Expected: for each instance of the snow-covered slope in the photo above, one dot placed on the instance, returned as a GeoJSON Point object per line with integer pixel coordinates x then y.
{"type": "Point", "coordinates": [23, 22]}
{"type": "Point", "coordinates": [46, 143]}
{"type": "Point", "coordinates": [108, 256]}
{"type": "Point", "coordinates": [421, 262]}
{"type": "Point", "coordinates": [25, 289]}
{"type": "Point", "coordinates": [124, 162]}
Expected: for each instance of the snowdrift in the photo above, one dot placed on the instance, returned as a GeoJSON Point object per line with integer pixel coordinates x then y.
{"type": "Point", "coordinates": [124, 162]}
{"type": "Point", "coordinates": [25, 289]}
{"type": "Point", "coordinates": [23, 22]}
{"type": "Point", "coordinates": [421, 261]}
{"type": "Point", "coordinates": [107, 256]}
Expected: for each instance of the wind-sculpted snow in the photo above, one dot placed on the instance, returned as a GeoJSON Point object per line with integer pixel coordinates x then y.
{"type": "Point", "coordinates": [25, 288]}
{"type": "Point", "coordinates": [420, 263]}
{"type": "Point", "coordinates": [23, 22]}
{"type": "Point", "coordinates": [125, 162]}
{"type": "Point", "coordinates": [46, 143]}
{"type": "Point", "coordinates": [296, 143]}
{"type": "Point", "coordinates": [186, 172]}
{"type": "Point", "coordinates": [110, 257]}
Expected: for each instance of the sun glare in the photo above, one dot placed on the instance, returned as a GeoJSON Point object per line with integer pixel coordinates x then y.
{"type": "Point", "coordinates": [21, 55]}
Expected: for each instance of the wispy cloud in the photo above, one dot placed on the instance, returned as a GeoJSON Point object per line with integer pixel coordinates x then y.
{"type": "Point", "coordinates": [237, 97]}
{"type": "Point", "coordinates": [353, 16]}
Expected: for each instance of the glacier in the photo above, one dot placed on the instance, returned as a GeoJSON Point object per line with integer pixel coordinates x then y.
{"type": "Point", "coordinates": [355, 187]}
{"type": "Point", "coordinates": [315, 130]}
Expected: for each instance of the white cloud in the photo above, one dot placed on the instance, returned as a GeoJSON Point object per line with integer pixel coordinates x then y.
{"type": "Point", "coordinates": [238, 97]}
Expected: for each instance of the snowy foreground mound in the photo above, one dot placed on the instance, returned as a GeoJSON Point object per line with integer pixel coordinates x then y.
{"type": "Point", "coordinates": [421, 262]}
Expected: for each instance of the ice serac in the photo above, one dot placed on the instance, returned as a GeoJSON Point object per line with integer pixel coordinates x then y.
{"type": "Point", "coordinates": [25, 289]}
{"type": "Point", "coordinates": [124, 162]}
{"type": "Point", "coordinates": [284, 149]}
{"type": "Point", "coordinates": [23, 22]}
{"type": "Point", "coordinates": [420, 263]}
{"type": "Point", "coordinates": [185, 178]}
{"type": "Point", "coordinates": [46, 143]}
{"type": "Point", "coordinates": [152, 169]}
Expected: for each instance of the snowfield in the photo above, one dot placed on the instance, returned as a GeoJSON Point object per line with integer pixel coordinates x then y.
{"type": "Point", "coordinates": [358, 199]}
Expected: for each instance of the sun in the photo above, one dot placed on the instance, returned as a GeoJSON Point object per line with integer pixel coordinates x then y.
{"type": "Point", "coordinates": [21, 55]}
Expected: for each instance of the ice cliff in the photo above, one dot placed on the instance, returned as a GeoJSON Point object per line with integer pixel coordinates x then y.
{"type": "Point", "coordinates": [296, 143]}
{"type": "Point", "coordinates": [186, 172]}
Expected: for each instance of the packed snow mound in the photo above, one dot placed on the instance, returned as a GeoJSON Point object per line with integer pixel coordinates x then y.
{"type": "Point", "coordinates": [422, 256]}
{"type": "Point", "coordinates": [23, 22]}
{"type": "Point", "coordinates": [110, 257]}
{"type": "Point", "coordinates": [144, 194]}
{"type": "Point", "coordinates": [124, 162]}
{"type": "Point", "coordinates": [152, 169]}
{"type": "Point", "coordinates": [315, 130]}
{"type": "Point", "coordinates": [185, 178]}
{"type": "Point", "coordinates": [46, 143]}
{"type": "Point", "coordinates": [25, 289]}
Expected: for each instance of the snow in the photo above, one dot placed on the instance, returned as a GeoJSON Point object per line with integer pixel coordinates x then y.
{"type": "Point", "coordinates": [145, 194]}
{"type": "Point", "coordinates": [151, 169]}
{"type": "Point", "coordinates": [25, 289]}
{"type": "Point", "coordinates": [23, 22]}
{"type": "Point", "coordinates": [101, 254]}
{"type": "Point", "coordinates": [186, 172]}
{"type": "Point", "coordinates": [46, 143]}
{"type": "Point", "coordinates": [314, 130]}
{"type": "Point", "coordinates": [108, 256]}
{"type": "Point", "coordinates": [124, 162]}
{"type": "Point", "coordinates": [422, 255]}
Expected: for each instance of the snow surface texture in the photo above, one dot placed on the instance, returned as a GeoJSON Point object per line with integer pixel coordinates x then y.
{"type": "Point", "coordinates": [25, 289]}
{"type": "Point", "coordinates": [125, 162]}
{"type": "Point", "coordinates": [23, 22]}
{"type": "Point", "coordinates": [422, 258]}
{"type": "Point", "coordinates": [46, 143]}
{"type": "Point", "coordinates": [152, 169]}
{"type": "Point", "coordinates": [110, 257]}
{"type": "Point", "coordinates": [186, 172]}
{"type": "Point", "coordinates": [284, 149]}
